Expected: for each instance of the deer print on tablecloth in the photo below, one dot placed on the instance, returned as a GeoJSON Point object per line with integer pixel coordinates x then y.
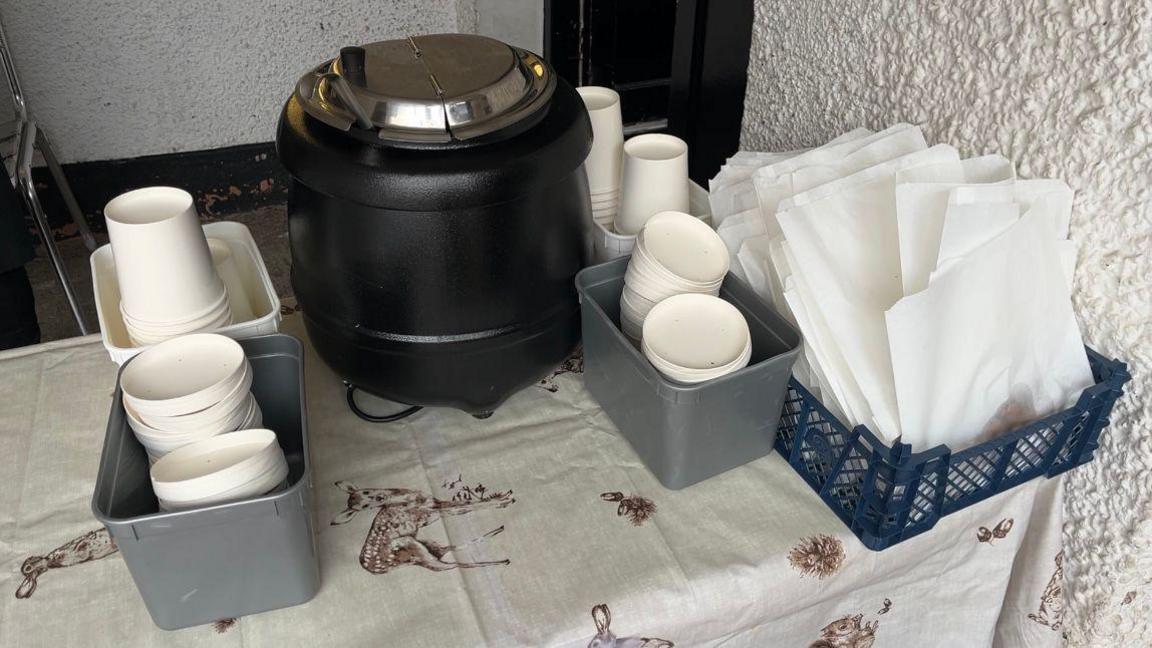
{"type": "Point", "coordinates": [574, 365]}
{"type": "Point", "coordinates": [604, 638]}
{"type": "Point", "coordinates": [847, 632]}
{"type": "Point", "coordinates": [634, 507]}
{"type": "Point", "coordinates": [93, 545]}
{"type": "Point", "coordinates": [819, 555]}
{"type": "Point", "coordinates": [999, 532]}
{"type": "Point", "coordinates": [224, 625]}
{"type": "Point", "coordinates": [1051, 612]}
{"type": "Point", "coordinates": [403, 512]}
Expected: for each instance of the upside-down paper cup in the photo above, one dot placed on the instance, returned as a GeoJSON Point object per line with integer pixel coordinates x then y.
{"type": "Point", "coordinates": [603, 162]}
{"type": "Point", "coordinates": [163, 263]}
{"type": "Point", "coordinates": [683, 250]}
{"type": "Point", "coordinates": [692, 338]}
{"type": "Point", "coordinates": [229, 271]}
{"type": "Point", "coordinates": [183, 375]}
{"type": "Point", "coordinates": [219, 469]}
{"type": "Point", "coordinates": [654, 179]}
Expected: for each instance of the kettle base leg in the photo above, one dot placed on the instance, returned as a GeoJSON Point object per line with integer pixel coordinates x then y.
{"type": "Point", "coordinates": [483, 415]}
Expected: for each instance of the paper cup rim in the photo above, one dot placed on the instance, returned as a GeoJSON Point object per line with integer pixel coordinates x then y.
{"type": "Point", "coordinates": [234, 405]}
{"type": "Point", "coordinates": [691, 230]}
{"type": "Point", "coordinates": [655, 147]}
{"type": "Point", "coordinates": [156, 362]}
{"type": "Point", "coordinates": [658, 326]}
{"type": "Point", "coordinates": [604, 98]}
{"type": "Point", "coordinates": [176, 482]}
{"type": "Point", "coordinates": [183, 201]}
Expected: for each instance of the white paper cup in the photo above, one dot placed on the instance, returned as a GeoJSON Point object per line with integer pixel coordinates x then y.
{"type": "Point", "coordinates": [686, 374]}
{"type": "Point", "coordinates": [158, 443]}
{"type": "Point", "coordinates": [648, 287]}
{"type": "Point", "coordinates": [219, 469]}
{"type": "Point", "coordinates": [637, 302]}
{"type": "Point", "coordinates": [229, 271]}
{"type": "Point", "coordinates": [603, 162]}
{"type": "Point", "coordinates": [648, 280]}
{"type": "Point", "coordinates": [163, 264]}
{"type": "Point", "coordinates": [654, 179]}
{"type": "Point", "coordinates": [213, 313]}
{"type": "Point", "coordinates": [233, 408]}
{"type": "Point", "coordinates": [145, 333]}
{"type": "Point", "coordinates": [183, 375]}
{"type": "Point", "coordinates": [693, 337]}
{"type": "Point", "coordinates": [684, 249]}
{"type": "Point", "coordinates": [631, 327]}
{"type": "Point", "coordinates": [162, 441]}
{"type": "Point", "coordinates": [255, 417]}
{"type": "Point", "coordinates": [272, 480]}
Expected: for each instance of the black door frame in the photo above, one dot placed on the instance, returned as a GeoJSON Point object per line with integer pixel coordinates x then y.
{"type": "Point", "coordinates": [709, 76]}
{"type": "Point", "coordinates": [709, 73]}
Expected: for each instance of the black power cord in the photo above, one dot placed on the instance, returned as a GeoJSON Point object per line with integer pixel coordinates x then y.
{"type": "Point", "coordinates": [387, 418]}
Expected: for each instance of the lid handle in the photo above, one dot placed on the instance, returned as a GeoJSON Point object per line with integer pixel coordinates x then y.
{"type": "Point", "coordinates": [352, 65]}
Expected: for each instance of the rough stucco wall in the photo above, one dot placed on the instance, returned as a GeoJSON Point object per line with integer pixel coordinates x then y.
{"type": "Point", "coordinates": [1065, 89]}
{"type": "Point", "coordinates": [123, 78]}
{"type": "Point", "coordinates": [517, 22]}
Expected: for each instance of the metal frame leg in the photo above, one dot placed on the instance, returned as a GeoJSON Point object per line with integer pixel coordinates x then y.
{"type": "Point", "coordinates": [28, 189]}
{"type": "Point", "coordinates": [45, 148]}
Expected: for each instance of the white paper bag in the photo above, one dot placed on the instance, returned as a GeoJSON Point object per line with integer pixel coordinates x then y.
{"type": "Point", "coordinates": [922, 199]}
{"type": "Point", "coordinates": [1026, 193]}
{"type": "Point", "coordinates": [825, 359]}
{"type": "Point", "coordinates": [843, 236]}
{"type": "Point", "coordinates": [972, 218]}
{"type": "Point", "coordinates": [899, 144]}
{"type": "Point", "coordinates": [967, 227]}
{"type": "Point", "coordinates": [731, 191]}
{"type": "Point", "coordinates": [752, 259]}
{"type": "Point", "coordinates": [773, 183]}
{"type": "Point", "coordinates": [990, 344]}
{"type": "Point", "coordinates": [737, 228]}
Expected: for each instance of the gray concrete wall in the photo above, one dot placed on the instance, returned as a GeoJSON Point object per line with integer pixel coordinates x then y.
{"type": "Point", "coordinates": [115, 79]}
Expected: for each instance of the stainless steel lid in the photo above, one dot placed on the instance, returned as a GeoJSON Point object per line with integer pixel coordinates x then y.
{"type": "Point", "coordinates": [434, 88]}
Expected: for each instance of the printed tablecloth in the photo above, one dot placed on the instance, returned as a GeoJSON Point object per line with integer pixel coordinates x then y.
{"type": "Point", "coordinates": [576, 540]}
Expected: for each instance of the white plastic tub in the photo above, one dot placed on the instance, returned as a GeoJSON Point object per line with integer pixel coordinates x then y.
{"type": "Point", "coordinates": [253, 275]}
{"type": "Point", "coordinates": [608, 245]}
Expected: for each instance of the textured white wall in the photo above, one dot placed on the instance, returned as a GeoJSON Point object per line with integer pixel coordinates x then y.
{"type": "Point", "coordinates": [517, 22]}
{"type": "Point", "coordinates": [122, 78]}
{"type": "Point", "coordinates": [1065, 89]}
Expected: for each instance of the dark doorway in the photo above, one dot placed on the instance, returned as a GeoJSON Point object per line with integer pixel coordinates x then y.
{"type": "Point", "coordinates": [679, 66]}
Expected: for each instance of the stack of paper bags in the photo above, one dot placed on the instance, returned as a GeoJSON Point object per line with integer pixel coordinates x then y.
{"type": "Point", "coordinates": [932, 291]}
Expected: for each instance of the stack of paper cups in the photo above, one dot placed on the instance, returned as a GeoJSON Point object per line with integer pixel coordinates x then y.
{"type": "Point", "coordinates": [188, 389]}
{"type": "Point", "coordinates": [654, 179]}
{"type": "Point", "coordinates": [168, 282]}
{"type": "Point", "coordinates": [220, 469]}
{"type": "Point", "coordinates": [675, 253]}
{"type": "Point", "coordinates": [224, 259]}
{"type": "Point", "coordinates": [603, 162]}
{"type": "Point", "coordinates": [692, 338]}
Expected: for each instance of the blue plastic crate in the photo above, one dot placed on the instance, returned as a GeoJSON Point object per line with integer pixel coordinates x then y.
{"type": "Point", "coordinates": [887, 494]}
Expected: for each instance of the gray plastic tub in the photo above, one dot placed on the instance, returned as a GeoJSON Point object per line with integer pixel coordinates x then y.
{"type": "Point", "coordinates": [197, 566]}
{"type": "Point", "coordinates": [685, 433]}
